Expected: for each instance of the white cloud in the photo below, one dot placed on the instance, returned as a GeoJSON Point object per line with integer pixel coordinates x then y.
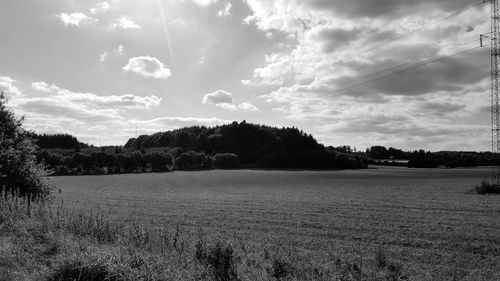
{"type": "Point", "coordinates": [202, 60]}
{"type": "Point", "coordinates": [248, 107]}
{"type": "Point", "coordinates": [120, 50]}
{"type": "Point", "coordinates": [102, 6]}
{"type": "Point", "coordinates": [44, 87]}
{"type": "Point", "coordinates": [103, 56]}
{"type": "Point", "coordinates": [226, 11]}
{"type": "Point", "coordinates": [205, 2]}
{"type": "Point", "coordinates": [127, 101]}
{"type": "Point", "coordinates": [124, 23]}
{"type": "Point", "coordinates": [7, 86]}
{"type": "Point", "coordinates": [221, 99]}
{"type": "Point", "coordinates": [168, 123]}
{"type": "Point", "coordinates": [148, 66]}
{"type": "Point", "coordinates": [225, 100]}
{"type": "Point", "coordinates": [75, 19]}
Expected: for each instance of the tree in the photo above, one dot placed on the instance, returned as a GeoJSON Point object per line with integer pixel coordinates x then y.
{"type": "Point", "coordinates": [18, 166]}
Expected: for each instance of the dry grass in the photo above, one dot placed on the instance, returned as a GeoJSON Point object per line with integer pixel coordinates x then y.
{"type": "Point", "coordinates": [423, 219]}
{"type": "Point", "coordinates": [50, 243]}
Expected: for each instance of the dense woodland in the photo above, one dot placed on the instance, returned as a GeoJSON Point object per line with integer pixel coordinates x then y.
{"type": "Point", "coordinates": [233, 146]}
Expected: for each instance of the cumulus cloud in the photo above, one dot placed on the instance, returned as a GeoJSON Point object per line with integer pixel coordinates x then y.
{"type": "Point", "coordinates": [248, 107]}
{"type": "Point", "coordinates": [75, 19]}
{"type": "Point", "coordinates": [124, 23]}
{"type": "Point", "coordinates": [100, 7]}
{"type": "Point", "coordinates": [103, 56]}
{"type": "Point", "coordinates": [148, 66]}
{"type": "Point", "coordinates": [226, 11]}
{"type": "Point", "coordinates": [205, 2]}
{"type": "Point", "coordinates": [8, 87]}
{"type": "Point", "coordinates": [44, 87]}
{"type": "Point", "coordinates": [120, 50]}
{"type": "Point", "coordinates": [225, 100]}
{"type": "Point", "coordinates": [221, 99]}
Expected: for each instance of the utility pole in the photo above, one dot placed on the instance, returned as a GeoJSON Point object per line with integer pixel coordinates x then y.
{"type": "Point", "coordinates": [495, 107]}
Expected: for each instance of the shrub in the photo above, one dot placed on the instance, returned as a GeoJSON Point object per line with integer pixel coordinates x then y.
{"type": "Point", "coordinates": [281, 268]}
{"type": "Point", "coordinates": [380, 258]}
{"type": "Point", "coordinates": [487, 188]}
{"type": "Point", "coordinates": [78, 270]}
{"type": "Point", "coordinates": [18, 166]}
{"type": "Point", "coordinates": [220, 258]}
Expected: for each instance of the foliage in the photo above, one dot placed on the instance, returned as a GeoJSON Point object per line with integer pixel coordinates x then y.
{"type": "Point", "coordinates": [78, 270]}
{"type": "Point", "coordinates": [426, 159]}
{"type": "Point", "coordinates": [192, 160]}
{"type": "Point", "coordinates": [18, 166]}
{"type": "Point", "coordinates": [487, 188]}
{"type": "Point", "coordinates": [220, 258]}
{"type": "Point", "coordinates": [64, 141]}
{"type": "Point", "coordinates": [226, 161]}
{"type": "Point", "coordinates": [255, 145]}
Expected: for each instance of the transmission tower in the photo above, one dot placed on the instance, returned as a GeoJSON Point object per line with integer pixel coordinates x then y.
{"type": "Point", "coordinates": [495, 108]}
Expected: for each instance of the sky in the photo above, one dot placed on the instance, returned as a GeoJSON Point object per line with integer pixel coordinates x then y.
{"type": "Point", "coordinates": [106, 71]}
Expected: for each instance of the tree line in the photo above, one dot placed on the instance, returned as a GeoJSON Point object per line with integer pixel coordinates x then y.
{"type": "Point", "coordinates": [232, 146]}
{"type": "Point", "coordinates": [426, 159]}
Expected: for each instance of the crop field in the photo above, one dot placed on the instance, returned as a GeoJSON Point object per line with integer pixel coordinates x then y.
{"type": "Point", "coordinates": [423, 218]}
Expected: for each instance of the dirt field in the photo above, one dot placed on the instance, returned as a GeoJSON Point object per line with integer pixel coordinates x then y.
{"type": "Point", "coordinates": [423, 218]}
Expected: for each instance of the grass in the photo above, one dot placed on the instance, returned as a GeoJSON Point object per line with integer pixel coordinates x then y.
{"type": "Point", "coordinates": [48, 242]}
{"type": "Point", "coordinates": [422, 219]}
{"type": "Point", "coordinates": [486, 187]}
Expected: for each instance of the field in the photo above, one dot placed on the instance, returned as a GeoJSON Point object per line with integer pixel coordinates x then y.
{"type": "Point", "coordinates": [424, 219]}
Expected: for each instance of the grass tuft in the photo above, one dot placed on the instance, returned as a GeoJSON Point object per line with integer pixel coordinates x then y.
{"type": "Point", "coordinates": [487, 188]}
{"type": "Point", "coordinates": [79, 271]}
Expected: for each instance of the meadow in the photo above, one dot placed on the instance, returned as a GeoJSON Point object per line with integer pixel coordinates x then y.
{"type": "Point", "coordinates": [423, 219]}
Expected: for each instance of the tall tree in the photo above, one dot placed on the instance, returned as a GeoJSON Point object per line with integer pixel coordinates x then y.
{"type": "Point", "coordinates": [18, 166]}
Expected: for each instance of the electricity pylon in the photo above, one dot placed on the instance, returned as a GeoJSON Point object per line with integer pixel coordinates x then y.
{"type": "Point", "coordinates": [495, 108]}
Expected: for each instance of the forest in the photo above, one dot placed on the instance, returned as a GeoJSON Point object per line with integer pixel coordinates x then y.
{"type": "Point", "coordinates": [232, 146]}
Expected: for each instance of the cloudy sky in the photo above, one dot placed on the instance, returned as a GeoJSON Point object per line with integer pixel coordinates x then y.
{"type": "Point", "coordinates": [99, 69]}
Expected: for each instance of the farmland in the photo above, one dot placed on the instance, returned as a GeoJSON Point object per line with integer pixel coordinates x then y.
{"type": "Point", "coordinates": [423, 218]}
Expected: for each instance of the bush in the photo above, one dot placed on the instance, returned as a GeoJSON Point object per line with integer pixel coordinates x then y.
{"type": "Point", "coordinates": [220, 258]}
{"type": "Point", "coordinates": [281, 268]}
{"type": "Point", "coordinates": [381, 258]}
{"type": "Point", "coordinates": [487, 188]}
{"type": "Point", "coordinates": [78, 270]}
{"type": "Point", "coordinates": [19, 169]}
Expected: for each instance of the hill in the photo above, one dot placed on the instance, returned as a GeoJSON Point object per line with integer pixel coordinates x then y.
{"type": "Point", "coordinates": [256, 146]}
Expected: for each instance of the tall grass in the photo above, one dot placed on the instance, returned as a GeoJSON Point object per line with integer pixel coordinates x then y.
{"type": "Point", "coordinates": [486, 187]}
{"type": "Point", "coordinates": [41, 240]}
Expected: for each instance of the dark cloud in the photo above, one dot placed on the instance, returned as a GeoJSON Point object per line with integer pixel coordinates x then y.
{"type": "Point", "coordinates": [450, 74]}
{"type": "Point", "coordinates": [440, 109]}
{"type": "Point", "coordinates": [332, 38]}
{"type": "Point", "coordinates": [384, 8]}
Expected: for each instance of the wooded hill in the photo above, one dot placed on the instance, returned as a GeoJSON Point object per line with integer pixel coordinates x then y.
{"type": "Point", "coordinates": [256, 146]}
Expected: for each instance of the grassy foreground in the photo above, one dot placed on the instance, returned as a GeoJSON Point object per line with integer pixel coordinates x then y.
{"type": "Point", "coordinates": [42, 241]}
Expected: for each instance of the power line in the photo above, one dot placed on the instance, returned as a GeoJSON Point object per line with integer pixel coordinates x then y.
{"type": "Point", "coordinates": [410, 68]}
{"type": "Point", "coordinates": [424, 26]}
{"type": "Point", "coordinates": [407, 63]}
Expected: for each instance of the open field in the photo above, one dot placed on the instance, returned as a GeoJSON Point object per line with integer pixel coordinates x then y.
{"type": "Point", "coordinates": [423, 218]}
